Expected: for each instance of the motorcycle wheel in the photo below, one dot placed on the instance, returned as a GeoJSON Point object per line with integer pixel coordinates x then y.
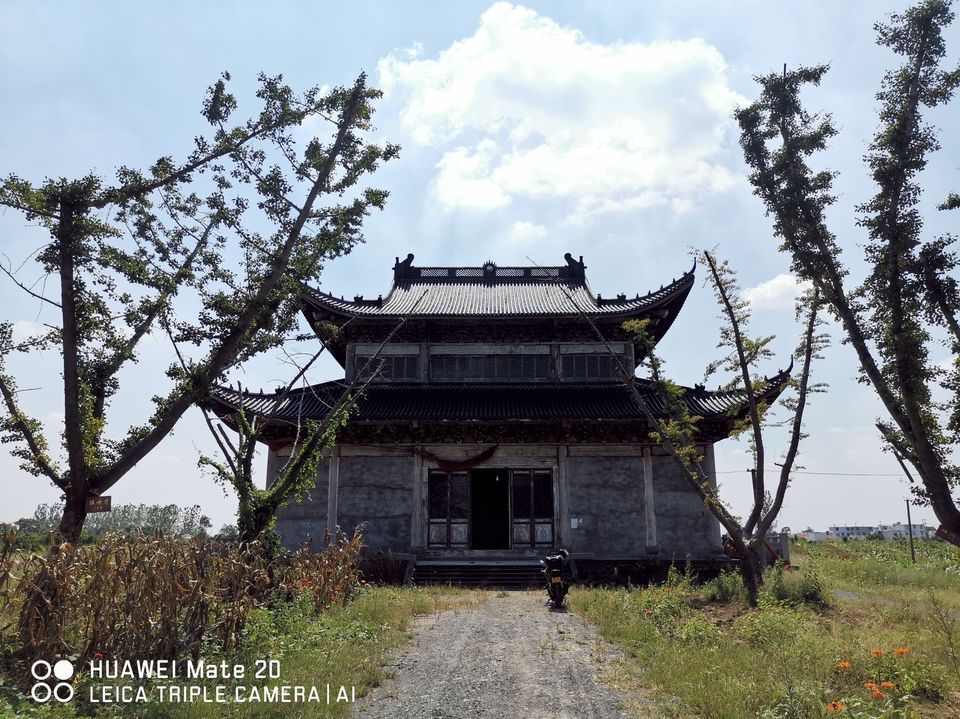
{"type": "Point", "coordinates": [557, 593]}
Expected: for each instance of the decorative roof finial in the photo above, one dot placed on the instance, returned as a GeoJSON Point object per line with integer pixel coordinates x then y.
{"type": "Point", "coordinates": [403, 269]}
{"type": "Point", "coordinates": [574, 269]}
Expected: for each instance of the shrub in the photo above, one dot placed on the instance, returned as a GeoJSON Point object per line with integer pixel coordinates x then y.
{"type": "Point", "coordinates": [796, 587]}
{"type": "Point", "coordinates": [725, 587]}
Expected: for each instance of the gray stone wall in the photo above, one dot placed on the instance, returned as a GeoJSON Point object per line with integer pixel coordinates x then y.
{"type": "Point", "coordinates": [377, 494]}
{"type": "Point", "coordinates": [684, 525]}
{"type": "Point", "coordinates": [606, 495]}
{"type": "Point", "coordinates": [306, 521]}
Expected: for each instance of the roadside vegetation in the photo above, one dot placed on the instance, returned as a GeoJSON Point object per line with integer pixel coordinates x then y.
{"type": "Point", "coordinates": [162, 597]}
{"type": "Point", "coordinates": [882, 571]}
{"type": "Point", "coordinates": [887, 648]}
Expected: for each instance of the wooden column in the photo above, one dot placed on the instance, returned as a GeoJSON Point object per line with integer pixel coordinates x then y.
{"type": "Point", "coordinates": [274, 464]}
{"type": "Point", "coordinates": [710, 464]}
{"type": "Point", "coordinates": [419, 498]}
{"type": "Point", "coordinates": [333, 486]}
{"type": "Point", "coordinates": [650, 518]}
{"type": "Point", "coordinates": [563, 506]}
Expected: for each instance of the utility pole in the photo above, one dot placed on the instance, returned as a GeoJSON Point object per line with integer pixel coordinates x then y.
{"type": "Point", "coordinates": [913, 554]}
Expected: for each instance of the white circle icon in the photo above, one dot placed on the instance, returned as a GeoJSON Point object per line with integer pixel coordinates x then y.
{"type": "Point", "coordinates": [62, 692]}
{"type": "Point", "coordinates": [41, 670]}
{"type": "Point", "coordinates": [41, 693]}
{"type": "Point", "coordinates": [63, 670]}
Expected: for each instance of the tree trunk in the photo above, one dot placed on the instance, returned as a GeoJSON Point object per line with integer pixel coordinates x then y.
{"type": "Point", "coordinates": [752, 575]}
{"type": "Point", "coordinates": [74, 515]}
{"type": "Point", "coordinates": [253, 523]}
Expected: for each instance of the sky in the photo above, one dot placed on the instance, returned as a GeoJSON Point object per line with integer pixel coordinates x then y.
{"type": "Point", "coordinates": [528, 130]}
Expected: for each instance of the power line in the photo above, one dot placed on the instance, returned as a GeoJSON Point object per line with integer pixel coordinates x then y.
{"type": "Point", "coordinates": [822, 474]}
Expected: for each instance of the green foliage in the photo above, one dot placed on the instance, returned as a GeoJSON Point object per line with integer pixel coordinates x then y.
{"type": "Point", "coordinates": [677, 430]}
{"type": "Point", "coordinates": [908, 289]}
{"type": "Point", "coordinates": [796, 587]}
{"type": "Point", "coordinates": [726, 587]}
{"type": "Point", "coordinates": [180, 249]}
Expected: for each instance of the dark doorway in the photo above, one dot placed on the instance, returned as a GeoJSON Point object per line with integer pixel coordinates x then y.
{"type": "Point", "coordinates": [489, 509]}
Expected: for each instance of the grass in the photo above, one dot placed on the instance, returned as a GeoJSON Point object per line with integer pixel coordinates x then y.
{"type": "Point", "coordinates": [696, 651]}
{"type": "Point", "coordinates": [705, 654]}
{"type": "Point", "coordinates": [876, 569]}
{"type": "Point", "coordinates": [346, 646]}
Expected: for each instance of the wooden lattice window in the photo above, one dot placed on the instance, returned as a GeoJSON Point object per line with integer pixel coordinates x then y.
{"type": "Point", "coordinates": [589, 366]}
{"type": "Point", "coordinates": [506, 366]}
{"type": "Point", "coordinates": [389, 366]}
{"type": "Point", "coordinates": [449, 500]}
{"type": "Point", "coordinates": [533, 517]}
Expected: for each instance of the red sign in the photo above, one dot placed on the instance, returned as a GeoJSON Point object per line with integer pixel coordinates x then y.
{"type": "Point", "coordinates": [948, 534]}
{"type": "Point", "coordinates": [98, 504]}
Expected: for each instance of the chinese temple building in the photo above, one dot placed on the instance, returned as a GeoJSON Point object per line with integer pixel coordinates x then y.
{"type": "Point", "coordinates": [496, 424]}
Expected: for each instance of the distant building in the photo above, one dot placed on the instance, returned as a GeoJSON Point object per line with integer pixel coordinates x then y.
{"type": "Point", "coordinates": [850, 532]}
{"type": "Point", "coordinates": [898, 530]}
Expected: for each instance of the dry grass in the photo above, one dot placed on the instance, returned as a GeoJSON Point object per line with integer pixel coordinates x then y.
{"type": "Point", "coordinates": [155, 597]}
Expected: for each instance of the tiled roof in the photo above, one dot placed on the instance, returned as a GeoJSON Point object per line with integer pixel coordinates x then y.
{"type": "Point", "coordinates": [486, 402]}
{"type": "Point", "coordinates": [496, 292]}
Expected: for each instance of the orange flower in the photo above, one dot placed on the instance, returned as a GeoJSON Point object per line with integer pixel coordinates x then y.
{"type": "Point", "coordinates": [834, 707]}
{"type": "Point", "coordinates": [877, 652]}
{"type": "Point", "coordinates": [877, 694]}
{"type": "Point", "coordinates": [842, 665]}
{"type": "Point", "coordinates": [887, 685]}
{"type": "Point", "coordinates": [901, 651]}
{"type": "Point", "coordinates": [870, 685]}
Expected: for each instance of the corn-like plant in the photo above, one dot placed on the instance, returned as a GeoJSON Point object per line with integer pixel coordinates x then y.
{"type": "Point", "coordinates": [160, 597]}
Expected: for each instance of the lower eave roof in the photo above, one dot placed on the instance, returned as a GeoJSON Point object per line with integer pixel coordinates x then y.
{"type": "Point", "coordinates": [464, 402]}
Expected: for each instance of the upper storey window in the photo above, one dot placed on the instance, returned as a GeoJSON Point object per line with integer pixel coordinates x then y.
{"type": "Point", "coordinates": [589, 366]}
{"type": "Point", "coordinates": [389, 366]}
{"type": "Point", "coordinates": [498, 366]}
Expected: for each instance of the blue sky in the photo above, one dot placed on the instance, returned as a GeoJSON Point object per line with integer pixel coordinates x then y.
{"type": "Point", "coordinates": [529, 130]}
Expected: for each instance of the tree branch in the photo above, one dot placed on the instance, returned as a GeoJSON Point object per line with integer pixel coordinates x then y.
{"type": "Point", "coordinates": [110, 367]}
{"type": "Point", "coordinates": [34, 443]}
{"type": "Point", "coordinates": [26, 289]}
{"type": "Point", "coordinates": [757, 474]}
{"type": "Point", "coordinates": [223, 354]}
{"type": "Point", "coordinates": [796, 431]}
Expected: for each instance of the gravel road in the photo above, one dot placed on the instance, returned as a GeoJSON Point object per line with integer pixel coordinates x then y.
{"type": "Point", "coordinates": [510, 657]}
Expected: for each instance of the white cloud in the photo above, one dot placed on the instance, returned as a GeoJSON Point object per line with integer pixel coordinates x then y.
{"type": "Point", "coordinates": [539, 111]}
{"type": "Point", "coordinates": [25, 329]}
{"type": "Point", "coordinates": [778, 293]}
{"type": "Point", "coordinates": [523, 232]}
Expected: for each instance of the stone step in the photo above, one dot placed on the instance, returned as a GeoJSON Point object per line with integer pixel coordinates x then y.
{"type": "Point", "coordinates": [495, 575]}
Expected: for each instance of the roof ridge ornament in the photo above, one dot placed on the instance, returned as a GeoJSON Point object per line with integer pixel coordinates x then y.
{"type": "Point", "coordinates": [405, 270]}
{"type": "Point", "coordinates": [575, 270]}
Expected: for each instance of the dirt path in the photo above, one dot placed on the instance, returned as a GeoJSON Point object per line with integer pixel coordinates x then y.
{"type": "Point", "coordinates": [509, 657]}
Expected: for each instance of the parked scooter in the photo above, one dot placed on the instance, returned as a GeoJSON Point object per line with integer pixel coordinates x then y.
{"type": "Point", "coordinates": [556, 567]}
